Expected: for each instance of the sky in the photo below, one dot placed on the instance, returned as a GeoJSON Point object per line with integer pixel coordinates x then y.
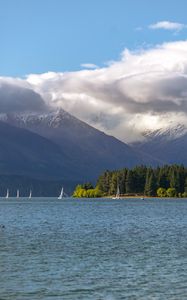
{"type": "Point", "coordinates": [38, 36]}
{"type": "Point", "coordinates": [111, 63]}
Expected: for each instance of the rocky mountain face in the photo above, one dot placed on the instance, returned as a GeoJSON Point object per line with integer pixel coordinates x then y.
{"type": "Point", "coordinates": [58, 144]}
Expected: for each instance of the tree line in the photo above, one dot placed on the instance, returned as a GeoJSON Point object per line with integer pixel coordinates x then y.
{"type": "Point", "coordinates": [165, 181]}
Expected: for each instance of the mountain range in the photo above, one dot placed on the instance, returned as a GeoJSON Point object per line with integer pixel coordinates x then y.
{"type": "Point", "coordinates": [56, 145]}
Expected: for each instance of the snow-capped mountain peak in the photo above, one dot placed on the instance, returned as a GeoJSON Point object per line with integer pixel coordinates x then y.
{"type": "Point", "coordinates": [53, 119]}
{"type": "Point", "coordinates": [169, 133]}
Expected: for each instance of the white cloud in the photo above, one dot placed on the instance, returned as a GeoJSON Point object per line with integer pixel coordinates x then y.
{"type": "Point", "coordinates": [124, 97]}
{"type": "Point", "coordinates": [167, 25]}
{"type": "Point", "coordinates": [89, 66]}
{"type": "Point", "coordinates": [144, 90]}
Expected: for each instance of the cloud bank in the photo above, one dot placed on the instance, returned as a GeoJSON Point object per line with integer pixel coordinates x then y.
{"type": "Point", "coordinates": [144, 90]}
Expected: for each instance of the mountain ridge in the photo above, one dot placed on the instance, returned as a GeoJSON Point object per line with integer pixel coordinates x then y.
{"type": "Point", "coordinates": [88, 150]}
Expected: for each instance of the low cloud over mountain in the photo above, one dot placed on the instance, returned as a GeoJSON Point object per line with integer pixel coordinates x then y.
{"type": "Point", "coordinates": [141, 91]}
{"type": "Point", "coordinates": [14, 97]}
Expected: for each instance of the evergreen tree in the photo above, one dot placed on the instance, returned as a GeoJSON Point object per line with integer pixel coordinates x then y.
{"type": "Point", "coordinates": [150, 184]}
{"type": "Point", "coordinates": [129, 185]}
{"type": "Point", "coordinates": [162, 176]}
{"type": "Point", "coordinates": [175, 179]}
{"type": "Point", "coordinates": [114, 183]}
{"type": "Point", "coordinates": [146, 180]}
{"type": "Point", "coordinates": [185, 185]}
{"type": "Point", "coordinates": [139, 178]}
{"type": "Point", "coordinates": [122, 181]}
{"type": "Point", "coordinates": [103, 182]}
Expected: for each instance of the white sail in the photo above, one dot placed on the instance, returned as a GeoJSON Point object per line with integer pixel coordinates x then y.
{"type": "Point", "coordinates": [7, 194]}
{"type": "Point", "coordinates": [30, 195]}
{"type": "Point", "coordinates": [61, 193]}
{"type": "Point", "coordinates": [117, 193]}
{"type": "Point", "coordinates": [17, 196]}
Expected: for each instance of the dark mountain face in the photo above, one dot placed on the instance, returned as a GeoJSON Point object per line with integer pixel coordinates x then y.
{"type": "Point", "coordinates": [25, 153]}
{"type": "Point", "coordinates": [72, 148]}
{"type": "Point", "coordinates": [40, 188]}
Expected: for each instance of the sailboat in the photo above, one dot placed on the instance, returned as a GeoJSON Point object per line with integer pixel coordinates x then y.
{"type": "Point", "coordinates": [30, 195]}
{"type": "Point", "coordinates": [61, 194]}
{"type": "Point", "coordinates": [117, 193]}
{"type": "Point", "coordinates": [7, 194]}
{"type": "Point", "coordinates": [17, 196]}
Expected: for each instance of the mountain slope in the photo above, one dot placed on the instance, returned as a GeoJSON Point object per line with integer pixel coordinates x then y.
{"type": "Point", "coordinates": [169, 145]}
{"type": "Point", "coordinates": [88, 149]}
{"type": "Point", "coordinates": [25, 153]}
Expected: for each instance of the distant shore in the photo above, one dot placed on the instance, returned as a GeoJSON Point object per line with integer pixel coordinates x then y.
{"type": "Point", "coordinates": [140, 197]}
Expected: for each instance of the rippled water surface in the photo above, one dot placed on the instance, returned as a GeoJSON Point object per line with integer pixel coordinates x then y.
{"type": "Point", "coordinates": [93, 249]}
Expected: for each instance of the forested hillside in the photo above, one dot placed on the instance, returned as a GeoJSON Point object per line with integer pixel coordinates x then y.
{"type": "Point", "coordinates": [161, 181]}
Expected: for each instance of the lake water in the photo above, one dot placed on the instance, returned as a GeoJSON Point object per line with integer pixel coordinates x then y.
{"type": "Point", "coordinates": [93, 249]}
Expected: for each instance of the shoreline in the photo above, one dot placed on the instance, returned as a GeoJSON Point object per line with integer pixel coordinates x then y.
{"type": "Point", "coordinates": [140, 197]}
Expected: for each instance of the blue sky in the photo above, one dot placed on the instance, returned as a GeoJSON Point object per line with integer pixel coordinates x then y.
{"type": "Point", "coordinates": [59, 35]}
